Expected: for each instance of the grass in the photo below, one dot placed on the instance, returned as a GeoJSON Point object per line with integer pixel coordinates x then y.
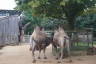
{"type": "Point", "coordinates": [82, 46]}
{"type": "Point", "coordinates": [79, 48]}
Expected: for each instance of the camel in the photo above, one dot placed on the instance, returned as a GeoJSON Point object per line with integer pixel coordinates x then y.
{"type": "Point", "coordinates": [39, 41]}
{"type": "Point", "coordinates": [61, 40]}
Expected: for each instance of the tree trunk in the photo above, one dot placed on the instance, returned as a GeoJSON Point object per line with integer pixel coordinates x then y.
{"type": "Point", "coordinates": [71, 24]}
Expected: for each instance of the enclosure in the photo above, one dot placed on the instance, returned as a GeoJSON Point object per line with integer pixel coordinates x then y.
{"type": "Point", "coordinates": [76, 17]}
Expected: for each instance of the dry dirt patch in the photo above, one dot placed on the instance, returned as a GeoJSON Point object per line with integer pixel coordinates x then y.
{"type": "Point", "coordinates": [21, 55]}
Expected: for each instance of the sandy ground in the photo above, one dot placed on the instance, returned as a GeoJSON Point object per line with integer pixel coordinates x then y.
{"type": "Point", "coordinates": [21, 55]}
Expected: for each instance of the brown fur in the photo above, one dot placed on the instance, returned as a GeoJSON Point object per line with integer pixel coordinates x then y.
{"type": "Point", "coordinates": [41, 41]}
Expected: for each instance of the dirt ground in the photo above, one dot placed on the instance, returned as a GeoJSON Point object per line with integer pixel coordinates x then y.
{"type": "Point", "coordinates": [21, 55]}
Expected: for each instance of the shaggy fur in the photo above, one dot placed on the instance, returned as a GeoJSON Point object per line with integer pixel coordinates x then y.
{"type": "Point", "coordinates": [39, 41]}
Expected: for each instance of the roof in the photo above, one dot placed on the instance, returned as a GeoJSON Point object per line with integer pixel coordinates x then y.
{"type": "Point", "coordinates": [11, 12]}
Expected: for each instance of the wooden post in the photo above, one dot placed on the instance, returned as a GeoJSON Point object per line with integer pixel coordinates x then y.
{"type": "Point", "coordinates": [22, 35]}
{"type": "Point", "coordinates": [88, 38]}
{"type": "Point", "coordinates": [92, 39]}
{"type": "Point", "coordinates": [77, 38]}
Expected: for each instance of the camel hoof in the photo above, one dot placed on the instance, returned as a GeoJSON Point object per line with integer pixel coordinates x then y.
{"type": "Point", "coordinates": [70, 61]}
{"type": "Point", "coordinates": [59, 62]}
{"type": "Point", "coordinates": [30, 49]}
{"type": "Point", "coordinates": [39, 58]}
{"type": "Point", "coordinates": [56, 58]}
{"type": "Point", "coordinates": [34, 61]}
{"type": "Point", "coordinates": [45, 57]}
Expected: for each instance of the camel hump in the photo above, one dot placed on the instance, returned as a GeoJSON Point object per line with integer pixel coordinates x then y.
{"type": "Point", "coordinates": [39, 34]}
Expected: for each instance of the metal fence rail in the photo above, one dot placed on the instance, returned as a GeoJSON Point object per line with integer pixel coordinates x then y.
{"type": "Point", "coordinates": [26, 38]}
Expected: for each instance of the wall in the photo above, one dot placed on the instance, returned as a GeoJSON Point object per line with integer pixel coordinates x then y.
{"type": "Point", "coordinates": [9, 30]}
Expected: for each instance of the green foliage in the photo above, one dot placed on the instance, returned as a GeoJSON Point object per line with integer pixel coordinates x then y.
{"type": "Point", "coordinates": [34, 21]}
{"type": "Point", "coordinates": [52, 23]}
{"type": "Point", "coordinates": [88, 20]}
{"type": "Point", "coordinates": [59, 9]}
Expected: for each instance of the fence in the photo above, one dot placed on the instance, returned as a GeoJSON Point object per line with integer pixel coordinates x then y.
{"type": "Point", "coordinates": [9, 30]}
{"type": "Point", "coordinates": [26, 38]}
{"type": "Point", "coordinates": [84, 37]}
{"type": "Point", "coordinates": [81, 37]}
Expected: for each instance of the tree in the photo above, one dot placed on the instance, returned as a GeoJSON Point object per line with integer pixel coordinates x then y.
{"type": "Point", "coordinates": [31, 21]}
{"type": "Point", "coordinates": [88, 20]}
{"type": "Point", "coordinates": [59, 9]}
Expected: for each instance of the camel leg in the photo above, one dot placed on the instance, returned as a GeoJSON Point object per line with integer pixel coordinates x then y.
{"type": "Point", "coordinates": [33, 55]}
{"type": "Point", "coordinates": [61, 50]}
{"type": "Point", "coordinates": [31, 41]}
{"type": "Point", "coordinates": [44, 50]}
{"type": "Point", "coordinates": [30, 48]}
{"type": "Point", "coordinates": [39, 54]}
{"type": "Point", "coordinates": [61, 55]}
{"type": "Point", "coordinates": [33, 50]}
{"type": "Point", "coordinates": [68, 49]}
{"type": "Point", "coordinates": [55, 51]}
